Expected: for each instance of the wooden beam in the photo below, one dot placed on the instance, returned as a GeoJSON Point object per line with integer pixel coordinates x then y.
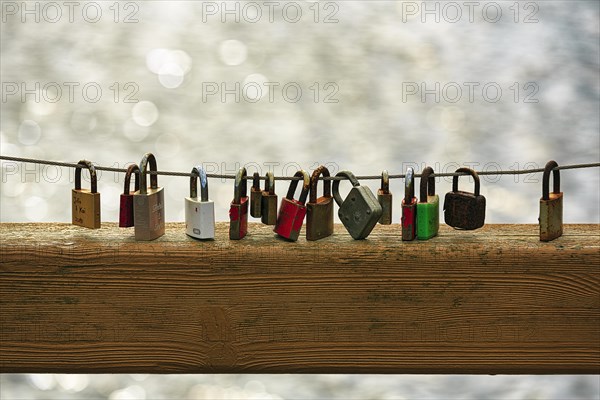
{"type": "Point", "coordinates": [495, 300]}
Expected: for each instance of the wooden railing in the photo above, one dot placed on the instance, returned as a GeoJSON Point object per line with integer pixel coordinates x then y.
{"type": "Point", "coordinates": [495, 300]}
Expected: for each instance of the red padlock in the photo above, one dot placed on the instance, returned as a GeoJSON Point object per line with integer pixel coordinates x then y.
{"type": "Point", "coordinates": [292, 212]}
{"type": "Point", "coordinates": [126, 209]}
{"type": "Point", "coordinates": [409, 206]}
{"type": "Point", "coordinates": [238, 212]}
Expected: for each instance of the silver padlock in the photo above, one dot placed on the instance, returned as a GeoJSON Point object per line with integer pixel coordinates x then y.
{"type": "Point", "coordinates": [199, 212]}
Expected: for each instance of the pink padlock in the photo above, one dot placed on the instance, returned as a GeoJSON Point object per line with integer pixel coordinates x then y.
{"type": "Point", "coordinates": [409, 207]}
{"type": "Point", "coordinates": [126, 209]}
{"type": "Point", "coordinates": [238, 210]}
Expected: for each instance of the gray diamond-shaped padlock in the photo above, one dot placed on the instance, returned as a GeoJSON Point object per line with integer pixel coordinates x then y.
{"type": "Point", "coordinates": [360, 211]}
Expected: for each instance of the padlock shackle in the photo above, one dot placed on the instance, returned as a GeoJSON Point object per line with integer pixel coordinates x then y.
{"type": "Point", "coordinates": [148, 158]}
{"type": "Point", "coordinates": [409, 185]}
{"type": "Point", "coordinates": [427, 185]}
{"type": "Point", "coordinates": [314, 181]}
{"type": "Point", "coordinates": [385, 182]}
{"type": "Point", "coordinates": [86, 164]}
{"type": "Point", "coordinates": [256, 181]}
{"type": "Point", "coordinates": [546, 180]}
{"type": "Point", "coordinates": [470, 172]}
{"type": "Point", "coordinates": [294, 184]}
{"type": "Point", "coordinates": [240, 186]}
{"type": "Point", "coordinates": [199, 172]}
{"type": "Point", "coordinates": [270, 183]}
{"type": "Point", "coordinates": [336, 185]}
{"type": "Point", "coordinates": [135, 171]}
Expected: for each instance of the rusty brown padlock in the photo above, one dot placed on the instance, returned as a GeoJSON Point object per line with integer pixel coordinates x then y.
{"type": "Point", "coordinates": [269, 201]}
{"type": "Point", "coordinates": [385, 199]}
{"type": "Point", "coordinates": [319, 217]}
{"type": "Point", "coordinates": [255, 197]}
{"type": "Point", "coordinates": [551, 205]}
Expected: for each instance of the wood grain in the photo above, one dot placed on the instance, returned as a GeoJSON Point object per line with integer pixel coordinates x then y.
{"type": "Point", "coordinates": [495, 300]}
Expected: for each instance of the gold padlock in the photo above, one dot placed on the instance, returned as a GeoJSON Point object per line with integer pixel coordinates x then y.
{"type": "Point", "coordinates": [86, 203]}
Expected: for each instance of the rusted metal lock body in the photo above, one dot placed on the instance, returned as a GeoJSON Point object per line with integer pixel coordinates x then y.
{"type": "Point", "coordinates": [292, 212]}
{"type": "Point", "coordinates": [126, 219]}
{"type": "Point", "coordinates": [268, 213]}
{"type": "Point", "coordinates": [149, 203]}
{"type": "Point", "coordinates": [319, 216]}
{"type": "Point", "coordinates": [199, 212]}
{"type": "Point", "coordinates": [551, 205]}
{"type": "Point", "coordinates": [360, 211]}
{"type": "Point", "coordinates": [428, 208]}
{"type": "Point", "coordinates": [409, 207]}
{"type": "Point", "coordinates": [238, 210]}
{"type": "Point", "coordinates": [255, 197]}
{"type": "Point", "coordinates": [385, 199]}
{"type": "Point", "coordinates": [464, 210]}
{"type": "Point", "coordinates": [86, 203]}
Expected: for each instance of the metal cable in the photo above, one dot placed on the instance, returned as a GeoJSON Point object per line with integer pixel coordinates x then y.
{"type": "Point", "coordinates": [290, 178]}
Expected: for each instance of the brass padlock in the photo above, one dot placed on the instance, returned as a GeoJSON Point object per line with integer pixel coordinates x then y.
{"type": "Point", "coordinates": [269, 201]}
{"type": "Point", "coordinates": [551, 205]}
{"type": "Point", "coordinates": [385, 199]}
{"type": "Point", "coordinates": [319, 217]}
{"type": "Point", "coordinates": [255, 197]}
{"type": "Point", "coordinates": [86, 203]}
{"type": "Point", "coordinates": [149, 203]}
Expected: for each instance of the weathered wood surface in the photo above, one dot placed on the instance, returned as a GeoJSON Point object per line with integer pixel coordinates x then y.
{"type": "Point", "coordinates": [495, 300]}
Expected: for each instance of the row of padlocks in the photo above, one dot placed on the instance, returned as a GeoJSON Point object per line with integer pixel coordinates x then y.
{"type": "Point", "coordinates": [360, 211]}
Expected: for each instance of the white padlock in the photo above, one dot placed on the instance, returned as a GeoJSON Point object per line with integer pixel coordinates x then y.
{"type": "Point", "coordinates": [199, 212]}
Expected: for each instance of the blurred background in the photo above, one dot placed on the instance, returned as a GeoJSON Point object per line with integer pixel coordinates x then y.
{"type": "Point", "coordinates": [352, 85]}
{"type": "Point", "coordinates": [276, 387]}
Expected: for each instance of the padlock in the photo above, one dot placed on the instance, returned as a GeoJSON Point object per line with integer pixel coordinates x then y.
{"type": "Point", "coordinates": [385, 199]}
{"type": "Point", "coordinates": [551, 205]}
{"type": "Point", "coordinates": [464, 210]}
{"type": "Point", "coordinates": [428, 207]}
{"type": "Point", "coordinates": [199, 212]}
{"type": "Point", "coordinates": [126, 219]}
{"type": "Point", "coordinates": [319, 212]}
{"type": "Point", "coordinates": [269, 201]}
{"type": "Point", "coordinates": [360, 211]}
{"type": "Point", "coordinates": [86, 203]}
{"type": "Point", "coordinates": [149, 203]}
{"type": "Point", "coordinates": [409, 207]}
{"type": "Point", "coordinates": [238, 211]}
{"type": "Point", "coordinates": [255, 197]}
{"type": "Point", "coordinates": [292, 212]}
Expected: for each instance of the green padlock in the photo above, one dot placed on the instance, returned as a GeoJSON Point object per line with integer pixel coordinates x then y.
{"type": "Point", "coordinates": [428, 207]}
